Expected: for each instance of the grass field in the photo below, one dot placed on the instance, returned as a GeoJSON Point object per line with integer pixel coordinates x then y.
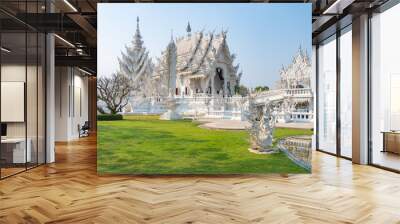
{"type": "Point", "coordinates": [146, 145]}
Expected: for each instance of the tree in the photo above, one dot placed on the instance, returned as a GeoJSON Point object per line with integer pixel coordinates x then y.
{"type": "Point", "coordinates": [241, 90]}
{"type": "Point", "coordinates": [114, 92]}
{"type": "Point", "coordinates": [136, 64]}
{"type": "Point", "coordinates": [261, 88]}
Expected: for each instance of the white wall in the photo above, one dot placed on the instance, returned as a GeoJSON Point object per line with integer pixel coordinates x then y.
{"type": "Point", "coordinates": [71, 102]}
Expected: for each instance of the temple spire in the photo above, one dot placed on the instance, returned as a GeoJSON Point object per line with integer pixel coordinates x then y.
{"type": "Point", "coordinates": [188, 29]}
{"type": "Point", "coordinates": [137, 42]}
{"type": "Point", "coordinates": [171, 45]}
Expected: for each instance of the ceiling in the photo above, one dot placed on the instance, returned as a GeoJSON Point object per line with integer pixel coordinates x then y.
{"type": "Point", "coordinates": [75, 21]}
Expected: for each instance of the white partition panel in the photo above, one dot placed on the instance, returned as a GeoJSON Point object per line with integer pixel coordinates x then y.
{"type": "Point", "coordinates": [12, 101]}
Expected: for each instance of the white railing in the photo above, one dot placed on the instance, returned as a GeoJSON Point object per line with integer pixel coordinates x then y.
{"type": "Point", "coordinates": [234, 107]}
{"type": "Point", "coordinates": [299, 92]}
{"type": "Point", "coordinates": [301, 116]}
{"type": "Point", "coordinates": [271, 95]}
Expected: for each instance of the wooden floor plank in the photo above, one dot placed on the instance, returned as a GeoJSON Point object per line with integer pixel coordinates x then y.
{"type": "Point", "coordinates": [70, 191]}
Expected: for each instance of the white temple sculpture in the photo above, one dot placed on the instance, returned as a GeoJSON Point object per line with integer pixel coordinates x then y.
{"type": "Point", "coordinates": [197, 64]}
{"type": "Point", "coordinates": [196, 76]}
{"type": "Point", "coordinates": [197, 71]}
{"type": "Point", "coordinates": [267, 125]}
{"type": "Point", "coordinates": [295, 80]}
{"type": "Point", "coordinates": [136, 64]}
{"type": "Point", "coordinates": [262, 118]}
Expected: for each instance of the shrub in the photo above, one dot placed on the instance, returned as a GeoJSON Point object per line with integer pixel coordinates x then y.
{"type": "Point", "coordinates": [109, 117]}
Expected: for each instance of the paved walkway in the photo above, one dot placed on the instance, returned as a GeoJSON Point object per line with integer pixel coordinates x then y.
{"type": "Point", "coordinates": [241, 125]}
{"type": "Point", "coordinates": [295, 125]}
{"type": "Point", "coordinates": [224, 124]}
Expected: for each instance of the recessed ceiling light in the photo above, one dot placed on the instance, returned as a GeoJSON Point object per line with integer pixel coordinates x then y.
{"type": "Point", "coordinates": [64, 40]}
{"type": "Point", "coordinates": [5, 50]}
{"type": "Point", "coordinates": [84, 71]}
{"type": "Point", "coordinates": [70, 5]}
{"type": "Point", "coordinates": [338, 6]}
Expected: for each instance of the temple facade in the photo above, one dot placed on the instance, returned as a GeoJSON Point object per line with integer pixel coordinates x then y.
{"type": "Point", "coordinates": [295, 81]}
{"type": "Point", "coordinates": [197, 64]}
{"type": "Point", "coordinates": [296, 75]}
{"type": "Point", "coordinates": [197, 76]}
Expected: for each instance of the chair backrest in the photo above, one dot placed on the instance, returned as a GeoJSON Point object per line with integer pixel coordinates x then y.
{"type": "Point", "coordinates": [86, 125]}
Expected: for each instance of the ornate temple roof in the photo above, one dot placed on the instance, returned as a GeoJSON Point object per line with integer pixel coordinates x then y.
{"type": "Point", "coordinates": [196, 52]}
{"type": "Point", "coordinates": [299, 71]}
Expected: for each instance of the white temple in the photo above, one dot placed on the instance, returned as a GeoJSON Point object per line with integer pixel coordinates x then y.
{"type": "Point", "coordinates": [295, 80]}
{"type": "Point", "coordinates": [197, 64]}
{"type": "Point", "coordinates": [196, 76]}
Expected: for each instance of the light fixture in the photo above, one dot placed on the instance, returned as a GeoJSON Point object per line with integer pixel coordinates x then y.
{"type": "Point", "coordinates": [338, 6]}
{"type": "Point", "coordinates": [5, 50]}
{"type": "Point", "coordinates": [64, 40]}
{"type": "Point", "coordinates": [79, 51]}
{"type": "Point", "coordinates": [70, 5]}
{"type": "Point", "coordinates": [84, 71]}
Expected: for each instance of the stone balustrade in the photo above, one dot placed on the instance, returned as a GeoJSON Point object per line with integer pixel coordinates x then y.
{"type": "Point", "coordinates": [306, 92]}
{"type": "Point", "coordinates": [298, 149]}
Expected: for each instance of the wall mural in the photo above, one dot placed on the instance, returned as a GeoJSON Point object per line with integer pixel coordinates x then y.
{"type": "Point", "coordinates": [197, 106]}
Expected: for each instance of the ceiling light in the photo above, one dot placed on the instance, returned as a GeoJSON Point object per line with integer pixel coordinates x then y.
{"type": "Point", "coordinates": [70, 5]}
{"type": "Point", "coordinates": [5, 50]}
{"type": "Point", "coordinates": [338, 6]}
{"type": "Point", "coordinates": [64, 40]}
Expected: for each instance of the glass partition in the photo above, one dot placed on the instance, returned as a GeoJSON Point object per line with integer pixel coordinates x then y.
{"type": "Point", "coordinates": [385, 89]}
{"type": "Point", "coordinates": [41, 97]}
{"type": "Point", "coordinates": [31, 97]}
{"type": "Point", "coordinates": [14, 153]}
{"type": "Point", "coordinates": [22, 77]}
{"type": "Point", "coordinates": [327, 95]}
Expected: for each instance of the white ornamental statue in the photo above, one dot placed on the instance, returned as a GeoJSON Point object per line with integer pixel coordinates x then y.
{"type": "Point", "coordinates": [267, 124]}
{"type": "Point", "coordinates": [253, 118]}
{"type": "Point", "coordinates": [262, 119]}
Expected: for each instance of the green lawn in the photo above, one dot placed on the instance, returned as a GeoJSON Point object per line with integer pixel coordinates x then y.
{"type": "Point", "coordinates": [146, 145]}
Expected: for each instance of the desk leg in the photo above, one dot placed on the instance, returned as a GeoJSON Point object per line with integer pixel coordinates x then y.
{"type": "Point", "coordinates": [384, 142]}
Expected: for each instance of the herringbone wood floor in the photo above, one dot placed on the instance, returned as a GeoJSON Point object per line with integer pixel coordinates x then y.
{"type": "Point", "coordinates": [70, 191]}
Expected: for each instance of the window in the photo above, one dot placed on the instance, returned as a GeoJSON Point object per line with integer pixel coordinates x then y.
{"type": "Point", "coordinates": [385, 89]}
{"type": "Point", "coordinates": [327, 95]}
{"type": "Point", "coordinates": [346, 92]}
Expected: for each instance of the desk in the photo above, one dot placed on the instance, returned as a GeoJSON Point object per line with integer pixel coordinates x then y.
{"type": "Point", "coordinates": [391, 141]}
{"type": "Point", "coordinates": [17, 150]}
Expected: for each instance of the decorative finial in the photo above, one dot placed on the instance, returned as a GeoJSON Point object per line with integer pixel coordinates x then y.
{"type": "Point", "coordinates": [188, 29]}
{"type": "Point", "coordinates": [138, 37]}
{"type": "Point", "coordinates": [300, 50]}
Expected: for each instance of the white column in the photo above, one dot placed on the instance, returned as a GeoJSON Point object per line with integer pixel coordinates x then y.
{"type": "Point", "coordinates": [225, 83]}
{"type": "Point", "coordinates": [50, 99]}
{"type": "Point", "coordinates": [212, 85]}
{"type": "Point", "coordinates": [360, 90]}
{"type": "Point", "coordinates": [313, 88]}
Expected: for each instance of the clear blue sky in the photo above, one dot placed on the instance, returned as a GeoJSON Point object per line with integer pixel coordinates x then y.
{"type": "Point", "coordinates": [263, 36]}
